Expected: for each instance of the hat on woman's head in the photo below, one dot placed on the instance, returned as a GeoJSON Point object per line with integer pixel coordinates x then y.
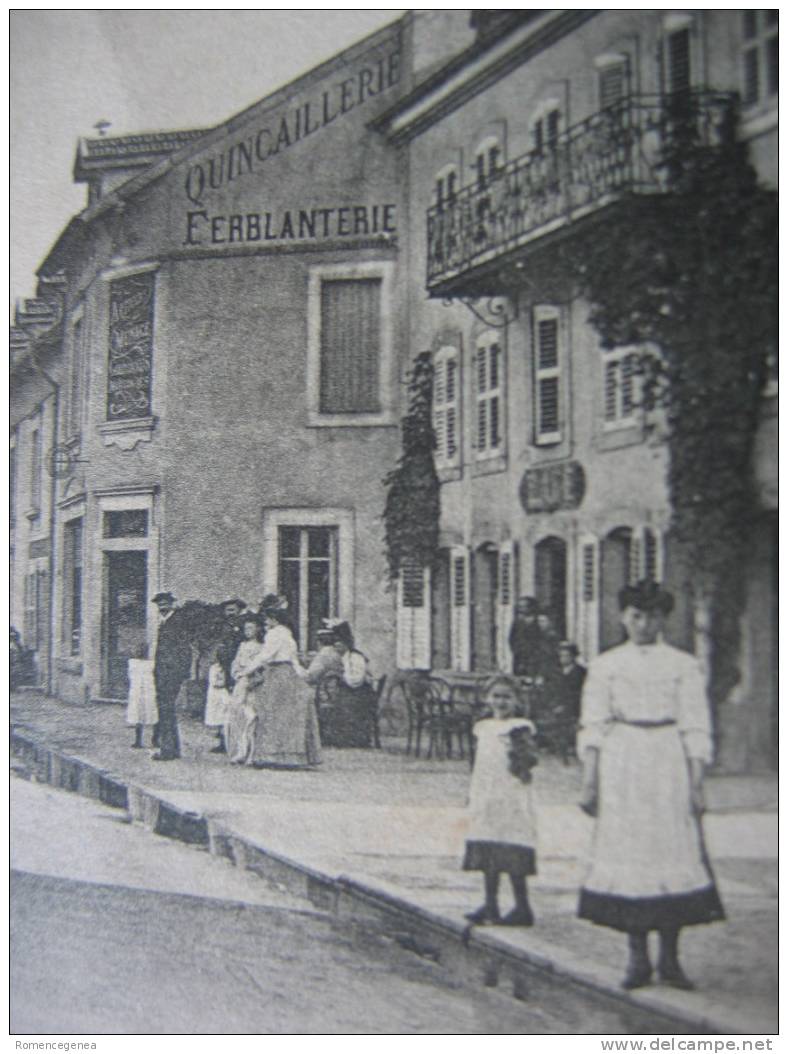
{"type": "Point", "coordinates": [166, 598]}
{"type": "Point", "coordinates": [325, 632]}
{"type": "Point", "coordinates": [646, 595]}
{"type": "Point", "coordinates": [343, 633]}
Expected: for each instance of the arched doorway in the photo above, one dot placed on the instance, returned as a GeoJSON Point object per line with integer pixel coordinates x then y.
{"type": "Point", "coordinates": [550, 581]}
{"type": "Point", "coordinates": [616, 557]}
{"type": "Point", "coordinates": [485, 594]}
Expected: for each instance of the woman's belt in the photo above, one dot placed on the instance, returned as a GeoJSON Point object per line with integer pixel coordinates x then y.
{"type": "Point", "coordinates": [646, 724]}
{"type": "Point", "coordinates": [279, 662]}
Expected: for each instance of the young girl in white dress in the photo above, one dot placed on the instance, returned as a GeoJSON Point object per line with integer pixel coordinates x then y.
{"type": "Point", "coordinates": [502, 832]}
{"type": "Point", "coordinates": [141, 710]}
{"type": "Point", "coordinates": [241, 716]}
{"type": "Point", "coordinates": [217, 704]}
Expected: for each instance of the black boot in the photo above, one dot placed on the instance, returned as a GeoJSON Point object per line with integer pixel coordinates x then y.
{"type": "Point", "coordinates": [220, 747]}
{"type": "Point", "coordinates": [668, 965]}
{"type": "Point", "coordinates": [155, 740]}
{"type": "Point", "coordinates": [639, 967]}
{"type": "Point", "coordinates": [137, 736]}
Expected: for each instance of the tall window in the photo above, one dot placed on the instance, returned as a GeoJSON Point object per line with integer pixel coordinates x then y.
{"type": "Point", "coordinates": [308, 577]}
{"type": "Point", "coordinates": [487, 161]}
{"type": "Point", "coordinates": [75, 399]}
{"type": "Point", "coordinates": [489, 396]}
{"type": "Point", "coordinates": [35, 468]}
{"type": "Point", "coordinates": [613, 81]}
{"type": "Point", "coordinates": [548, 365]}
{"type": "Point", "coordinates": [72, 571]}
{"type": "Point", "coordinates": [446, 186]}
{"type": "Point", "coordinates": [349, 345]}
{"type": "Point", "coordinates": [760, 56]}
{"type": "Point", "coordinates": [130, 359]}
{"type": "Point", "coordinates": [446, 407]}
{"type": "Point", "coordinates": [677, 52]}
{"type": "Point", "coordinates": [621, 389]}
{"type": "Point", "coordinates": [545, 130]}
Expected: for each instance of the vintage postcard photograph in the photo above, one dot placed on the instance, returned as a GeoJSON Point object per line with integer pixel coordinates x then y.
{"type": "Point", "coordinates": [393, 523]}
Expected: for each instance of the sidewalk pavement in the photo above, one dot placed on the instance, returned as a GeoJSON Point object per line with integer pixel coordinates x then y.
{"type": "Point", "coordinates": [392, 826]}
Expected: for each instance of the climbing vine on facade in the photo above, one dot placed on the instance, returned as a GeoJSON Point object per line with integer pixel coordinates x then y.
{"type": "Point", "coordinates": [412, 510]}
{"type": "Point", "coordinates": [690, 278]}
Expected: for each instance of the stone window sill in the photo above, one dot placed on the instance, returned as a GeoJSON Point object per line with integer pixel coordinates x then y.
{"type": "Point", "coordinates": [617, 438]}
{"type": "Point", "coordinates": [128, 432]}
{"type": "Point", "coordinates": [487, 466]}
{"type": "Point", "coordinates": [448, 473]}
{"type": "Point", "coordinates": [69, 665]}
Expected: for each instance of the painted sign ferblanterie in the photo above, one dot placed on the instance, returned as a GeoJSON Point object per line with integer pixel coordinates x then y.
{"type": "Point", "coordinates": [130, 347]}
{"type": "Point", "coordinates": [343, 221]}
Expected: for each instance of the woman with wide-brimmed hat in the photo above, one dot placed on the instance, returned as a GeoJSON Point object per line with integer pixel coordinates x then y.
{"type": "Point", "coordinates": [350, 722]}
{"type": "Point", "coordinates": [285, 732]}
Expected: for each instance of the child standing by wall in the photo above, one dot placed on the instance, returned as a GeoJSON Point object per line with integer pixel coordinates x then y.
{"type": "Point", "coordinates": [502, 832]}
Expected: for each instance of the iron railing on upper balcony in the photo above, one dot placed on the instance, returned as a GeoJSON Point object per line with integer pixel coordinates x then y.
{"type": "Point", "coordinates": [619, 150]}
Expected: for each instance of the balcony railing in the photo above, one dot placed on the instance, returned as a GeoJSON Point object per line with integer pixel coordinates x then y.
{"type": "Point", "coordinates": [616, 152]}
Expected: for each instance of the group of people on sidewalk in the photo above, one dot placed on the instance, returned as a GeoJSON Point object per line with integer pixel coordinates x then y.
{"type": "Point", "coordinates": [260, 698]}
{"type": "Point", "coordinates": [645, 741]}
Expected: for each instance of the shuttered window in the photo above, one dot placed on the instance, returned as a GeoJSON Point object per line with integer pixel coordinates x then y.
{"type": "Point", "coordinates": [678, 61]}
{"type": "Point", "coordinates": [72, 581]}
{"type": "Point", "coordinates": [650, 568]}
{"type": "Point", "coordinates": [412, 574]}
{"type": "Point", "coordinates": [459, 595]}
{"type": "Point", "coordinates": [612, 84]}
{"type": "Point", "coordinates": [350, 346]}
{"type": "Point", "coordinates": [35, 469]}
{"type": "Point", "coordinates": [588, 573]}
{"type": "Point", "coordinates": [75, 399]}
{"type": "Point", "coordinates": [489, 396]}
{"type": "Point", "coordinates": [548, 361]}
{"type": "Point", "coordinates": [505, 578]}
{"type": "Point", "coordinates": [760, 56]}
{"type": "Point", "coordinates": [446, 407]}
{"type": "Point", "coordinates": [621, 387]}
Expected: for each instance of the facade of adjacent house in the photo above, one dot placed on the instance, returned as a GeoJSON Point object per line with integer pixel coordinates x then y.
{"type": "Point", "coordinates": [236, 310]}
{"type": "Point", "coordinates": [552, 483]}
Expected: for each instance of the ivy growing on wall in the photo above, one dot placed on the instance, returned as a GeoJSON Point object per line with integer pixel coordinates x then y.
{"type": "Point", "coordinates": [412, 510]}
{"type": "Point", "coordinates": [692, 274]}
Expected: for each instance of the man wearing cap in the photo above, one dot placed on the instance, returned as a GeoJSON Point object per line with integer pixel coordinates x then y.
{"type": "Point", "coordinates": [645, 740]}
{"type": "Point", "coordinates": [171, 667]}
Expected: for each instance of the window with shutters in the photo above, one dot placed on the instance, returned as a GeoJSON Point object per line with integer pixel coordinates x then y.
{"type": "Point", "coordinates": [650, 566]}
{"type": "Point", "coordinates": [677, 57]}
{"type": "Point", "coordinates": [447, 183]}
{"type": "Point", "coordinates": [759, 57]}
{"type": "Point", "coordinates": [612, 79]}
{"type": "Point", "coordinates": [489, 372]}
{"type": "Point", "coordinates": [621, 388]}
{"type": "Point", "coordinates": [505, 579]}
{"type": "Point", "coordinates": [548, 364]}
{"type": "Point", "coordinates": [487, 161]}
{"type": "Point", "coordinates": [446, 407]}
{"type": "Point", "coordinates": [545, 127]}
{"type": "Point", "coordinates": [349, 345]}
{"type": "Point", "coordinates": [35, 467]}
{"type": "Point", "coordinates": [412, 574]}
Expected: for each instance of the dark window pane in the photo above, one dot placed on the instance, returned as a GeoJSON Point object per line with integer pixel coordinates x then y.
{"type": "Point", "coordinates": [749, 24]}
{"type": "Point", "coordinates": [319, 589]}
{"type": "Point", "coordinates": [126, 523]}
{"type": "Point", "coordinates": [319, 541]}
{"type": "Point", "coordinates": [752, 89]}
{"type": "Point", "coordinates": [548, 344]}
{"type": "Point", "coordinates": [679, 77]}
{"type": "Point", "coordinates": [289, 586]}
{"type": "Point", "coordinates": [289, 541]}
{"type": "Point", "coordinates": [772, 18]}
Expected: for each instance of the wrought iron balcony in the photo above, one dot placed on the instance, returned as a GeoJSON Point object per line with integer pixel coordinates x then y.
{"type": "Point", "coordinates": [616, 152]}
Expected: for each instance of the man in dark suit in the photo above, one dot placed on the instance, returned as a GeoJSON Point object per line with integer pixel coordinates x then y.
{"type": "Point", "coordinates": [525, 639]}
{"type": "Point", "coordinates": [171, 667]}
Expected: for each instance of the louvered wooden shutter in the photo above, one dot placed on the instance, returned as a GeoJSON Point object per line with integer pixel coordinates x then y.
{"type": "Point", "coordinates": [507, 593]}
{"type": "Point", "coordinates": [460, 609]}
{"type": "Point", "coordinates": [547, 374]}
{"type": "Point", "coordinates": [413, 617]}
{"type": "Point", "coordinates": [679, 71]}
{"type": "Point", "coordinates": [587, 629]}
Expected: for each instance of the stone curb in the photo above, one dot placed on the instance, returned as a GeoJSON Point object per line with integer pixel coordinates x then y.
{"type": "Point", "coordinates": [472, 955]}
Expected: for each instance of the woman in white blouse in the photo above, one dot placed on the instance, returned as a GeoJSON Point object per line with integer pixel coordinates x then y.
{"type": "Point", "coordinates": [285, 732]}
{"type": "Point", "coordinates": [645, 740]}
{"type": "Point", "coordinates": [351, 723]}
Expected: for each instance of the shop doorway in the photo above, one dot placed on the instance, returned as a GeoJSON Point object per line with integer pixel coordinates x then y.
{"type": "Point", "coordinates": [485, 594]}
{"type": "Point", "coordinates": [550, 581]}
{"type": "Point", "coordinates": [124, 625]}
{"type": "Point", "coordinates": [616, 555]}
